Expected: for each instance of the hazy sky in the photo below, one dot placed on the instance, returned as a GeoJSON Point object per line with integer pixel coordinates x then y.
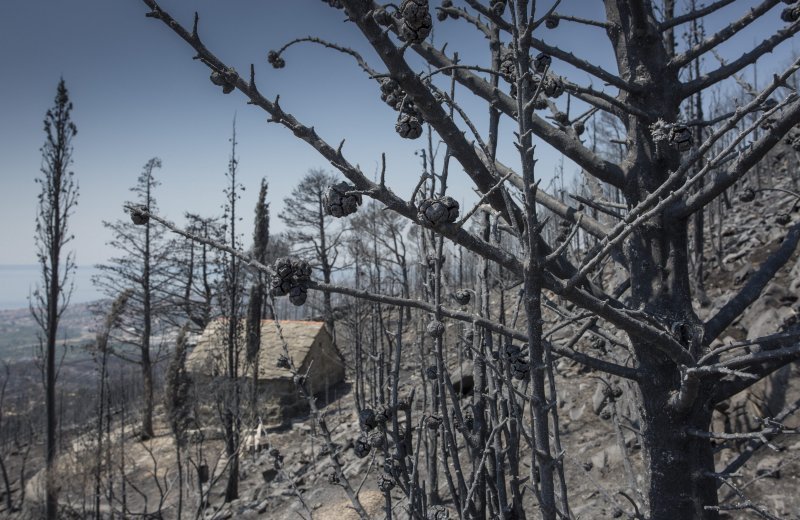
{"type": "Point", "coordinates": [138, 94]}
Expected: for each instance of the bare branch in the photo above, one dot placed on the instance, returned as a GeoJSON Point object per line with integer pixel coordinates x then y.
{"type": "Point", "coordinates": [693, 15]}
{"type": "Point", "coordinates": [749, 57]}
{"type": "Point", "coordinates": [723, 35]}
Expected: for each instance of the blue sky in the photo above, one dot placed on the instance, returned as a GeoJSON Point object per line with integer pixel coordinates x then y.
{"type": "Point", "coordinates": [138, 94]}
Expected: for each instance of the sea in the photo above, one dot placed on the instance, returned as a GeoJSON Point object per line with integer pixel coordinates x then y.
{"type": "Point", "coordinates": [17, 283]}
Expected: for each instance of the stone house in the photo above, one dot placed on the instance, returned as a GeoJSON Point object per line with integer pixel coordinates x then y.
{"type": "Point", "coordinates": [310, 346]}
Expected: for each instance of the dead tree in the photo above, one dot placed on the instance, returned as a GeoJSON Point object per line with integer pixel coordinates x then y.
{"type": "Point", "coordinates": [142, 265]}
{"type": "Point", "coordinates": [230, 297]}
{"type": "Point", "coordinates": [311, 232]}
{"type": "Point", "coordinates": [57, 200]}
{"type": "Point", "coordinates": [679, 374]}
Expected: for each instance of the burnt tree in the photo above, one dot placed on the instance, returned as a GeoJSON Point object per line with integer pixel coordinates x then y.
{"type": "Point", "coordinates": [667, 173]}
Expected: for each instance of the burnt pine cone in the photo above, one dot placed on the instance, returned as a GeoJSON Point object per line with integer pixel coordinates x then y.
{"type": "Point", "coordinates": [385, 483]}
{"type": "Point", "coordinates": [561, 118]}
{"type": "Point", "coordinates": [408, 126]}
{"type": "Point", "coordinates": [283, 268]}
{"type": "Point", "coordinates": [275, 60]}
{"type": "Point", "coordinates": [301, 271]}
{"type": "Point", "coordinates": [338, 200]}
{"type": "Point", "coordinates": [542, 62]}
{"type": "Point", "coordinates": [552, 86]}
{"type": "Point", "coordinates": [437, 513]}
{"type": "Point", "coordinates": [138, 215]}
{"type": "Point", "coordinates": [551, 22]}
{"type": "Point", "coordinates": [298, 295]}
{"type": "Point", "coordinates": [433, 422]}
{"type": "Point", "coordinates": [361, 447]}
{"type": "Point", "coordinates": [225, 79]}
{"type": "Point", "coordinates": [507, 66]}
{"type": "Point", "coordinates": [366, 419]}
{"type": "Point", "coordinates": [416, 18]}
{"type": "Point", "coordinates": [579, 128]}
{"type": "Point", "coordinates": [540, 103]}
{"type": "Point", "coordinates": [383, 415]}
{"type": "Point", "coordinates": [435, 329]}
{"type": "Point", "coordinates": [281, 287]}
{"type": "Point", "coordinates": [681, 137]}
{"type": "Point", "coordinates": [747, 195]}
{"type": "Point", "coordinates": [440, 210]}
{"type": "Point", "coordinates": [791, 14]}
{"type": "Point", "coordinates": [391, 93]}
{"type": "Point", "coordinates": [283, 362]}
{"type": "Point", "coordinates": [783, 218]}
{"type": "Point", "coordinates": [462, 297]}
{"type": "Point", "coordinates": [520, 369]}
{"type": "Point", "coordinates": [376, 439]}
{"type": "Point", "coordinates": [431, 372]}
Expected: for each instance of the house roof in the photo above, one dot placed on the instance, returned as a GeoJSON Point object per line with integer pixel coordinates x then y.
{"type": "Point", "coordinates": [299, 337]}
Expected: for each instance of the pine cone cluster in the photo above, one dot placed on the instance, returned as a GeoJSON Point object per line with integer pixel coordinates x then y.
{"type": "Point", "coordinates": [436, 211]}
{"type": "Point", "coordinates": [409, 122]}
{"type": "Point", "coordinates": [138, 215]}
{"type": "Point", "coordinates": [340, 201]}
{"type": "Point", "coordinates": [336, 4]}
{"type": "Point", "coordinates": [291, 277]}
{"type": "Point", "coordinates": [516, 357]}
{"type": "Point", "coordinates": [498, 7]}
{"type": "Point", "coordinates": [224, 78]}
{"type": "Point", "coordinates": [508, 68]}
{"type": "Point", "coordinates": [275, 60]}
{"type": "Point", "coordinates": [416, 18]}
{"type": "Point", "coordinates": [391, 93]}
